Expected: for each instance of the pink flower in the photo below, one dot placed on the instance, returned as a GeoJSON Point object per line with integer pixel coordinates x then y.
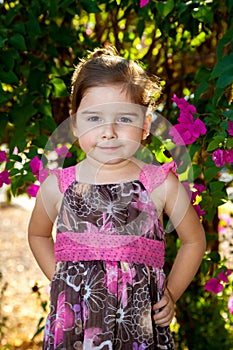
{"type": "Point", "coordinates": [32, 190]}
{"type": "Point", "coordinates": [214, 286]}
{"type": "Point", "coordinates": [144, 3]}
{"type": "Point", "coordinates": [223, 275]}
{"type": "Point", "coordinates": [43, 174]}
{"type": "Point", "coordinates": [4, 178]}
{"type": "Point", "coordinates": [228, 156]}
{"type": "Point", "coordinates": [181, 135]}
{"type": "Point", "coordinates": [63, 152]}
{"type": "Point", "coordinates": [183, 105]}
{"type": "Point", "coordinates": [188, 129]}
{"type": "Point", "coordinates": [230, 304]}
{"type": "Point", "coordinates": [230, 128]}
{"type": "Point", "coordinates": [3, 157]}
{"type": "Point", "coordinates": [221, 157]}
{"type": "Point", "coordinates": [36, 165]}
{"type": "Point", "coordinates": [200, 188]}
{"type": "Point", "coordinates": [198, 209]}
{"type": "Point", "coordinates": [218, 157]}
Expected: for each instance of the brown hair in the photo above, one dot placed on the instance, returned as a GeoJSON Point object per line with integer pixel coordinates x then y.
{"type": "Point", "coordinates": [106, 67]}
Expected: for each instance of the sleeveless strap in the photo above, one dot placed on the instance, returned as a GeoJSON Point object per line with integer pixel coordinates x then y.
{"type": "Point", "coordinates": [152, 176]}
{"type": "Point", "coordinates": [64, 177]}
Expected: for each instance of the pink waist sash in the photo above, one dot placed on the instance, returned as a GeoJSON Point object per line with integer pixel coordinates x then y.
{"type": "Point", "coordinates": [70, 246]}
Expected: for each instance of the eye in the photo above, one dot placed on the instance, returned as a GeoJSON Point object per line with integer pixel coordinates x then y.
{"type": "Point", "coordinates": [94, 118]}
{"type": "Point", "coordinates": [125, 120]}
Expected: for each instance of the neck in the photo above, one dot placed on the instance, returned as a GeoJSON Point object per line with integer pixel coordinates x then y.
{"type": "Point", "coordinates": [95, 172]}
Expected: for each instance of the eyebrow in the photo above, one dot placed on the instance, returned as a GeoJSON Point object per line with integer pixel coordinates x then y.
{"type": "Point", "coordinates": [88, 112]}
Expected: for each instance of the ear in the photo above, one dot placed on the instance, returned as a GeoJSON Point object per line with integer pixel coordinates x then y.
{"type": "Point", "coordinates": [73, 123]}
{"type": "Point", "coordinates": [146, 126]}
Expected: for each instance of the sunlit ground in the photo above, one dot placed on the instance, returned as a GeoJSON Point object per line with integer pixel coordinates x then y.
{"type": "Point", "coordinates": [20, 307]}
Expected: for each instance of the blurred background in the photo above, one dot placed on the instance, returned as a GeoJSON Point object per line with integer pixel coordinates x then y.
{"type": "Point", "coordinates": [188, 44]}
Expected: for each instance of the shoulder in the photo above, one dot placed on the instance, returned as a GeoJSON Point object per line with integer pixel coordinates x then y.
{"type": "Point", "coordinates": [152, 176]}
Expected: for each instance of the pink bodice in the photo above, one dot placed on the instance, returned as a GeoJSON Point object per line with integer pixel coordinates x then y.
{"type": "Point", "coordinates": [116, 222]}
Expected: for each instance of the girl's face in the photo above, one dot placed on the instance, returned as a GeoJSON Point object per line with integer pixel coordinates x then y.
{"type": "Point", "coordinates": [108, 125]}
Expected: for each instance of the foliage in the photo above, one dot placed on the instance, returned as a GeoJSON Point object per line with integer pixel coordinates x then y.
{"type": "Point", "coordinates": [187, 43]}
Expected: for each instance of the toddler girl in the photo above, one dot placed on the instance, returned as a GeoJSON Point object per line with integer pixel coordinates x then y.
{"type": "Point", "coordinates": [108, 287]}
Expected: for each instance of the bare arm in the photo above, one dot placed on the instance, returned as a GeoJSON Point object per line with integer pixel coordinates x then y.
{"type": "Point", "coordinates": [41, 224]}
{"type": "Point", "coordinates": [192, 236]}
{"type": "Point", "coordinates": [193, 245]}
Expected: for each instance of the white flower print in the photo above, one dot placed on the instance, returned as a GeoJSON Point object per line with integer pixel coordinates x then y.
{"type": "Point", "coordinates": [142, 315]}
{"type": "Point", "coordinates": [93, 290]}
{"type": "Point", "coordinates": [121, 318]}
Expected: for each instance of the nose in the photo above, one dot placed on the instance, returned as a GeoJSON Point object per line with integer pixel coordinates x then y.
{"type": "Point", "coordinates": [108, 131]}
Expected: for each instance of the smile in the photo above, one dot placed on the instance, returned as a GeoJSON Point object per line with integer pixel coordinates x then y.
{"type": "Point", "coordinates": [109, 148]}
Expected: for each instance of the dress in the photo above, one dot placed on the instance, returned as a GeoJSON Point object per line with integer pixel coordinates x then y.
{"type": "Point", "coordinates": [109, 254]}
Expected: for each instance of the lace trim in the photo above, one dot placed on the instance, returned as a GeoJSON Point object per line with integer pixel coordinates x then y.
{"type": "Point", "coordinates": [71, 246]}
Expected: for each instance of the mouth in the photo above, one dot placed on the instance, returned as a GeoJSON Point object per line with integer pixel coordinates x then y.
{"type": "Point", "coordinates": [109, 148]}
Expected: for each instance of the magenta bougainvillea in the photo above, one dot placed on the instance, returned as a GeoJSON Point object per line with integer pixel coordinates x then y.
{"type": "Point", "coordinates": [188, 130]}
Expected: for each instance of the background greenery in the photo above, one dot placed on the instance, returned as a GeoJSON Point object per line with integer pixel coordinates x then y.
{"type": "Point", "coordinates": [188, 44]}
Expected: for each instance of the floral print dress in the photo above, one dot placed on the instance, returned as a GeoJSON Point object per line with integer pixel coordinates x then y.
{"type": "Point", "coordinates": [109, 253]}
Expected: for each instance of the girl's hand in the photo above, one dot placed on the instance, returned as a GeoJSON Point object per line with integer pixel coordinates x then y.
{"type": "Point", "coordinates": [164, 310]}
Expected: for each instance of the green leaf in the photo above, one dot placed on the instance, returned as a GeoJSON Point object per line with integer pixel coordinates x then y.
{"type": "Point", "coordinates": [3, 123]}
{"type": "Point", "coordinates": [223, 65]}
{"type": "Point", "coordinates": [7, 60]}
{"type": "Point", "coordinates": [33, 27]}
{"type": "Point", "coordinates": [203, 14]}
{"type": "Point", "coordinates": [194, 172]}
{"type": "Point", "coordinates": [90, 6]}
{"type": "Point", "coordinates": [228, 113]}
{"type": "Point", "coordinates": [210, 173]}
{"type": "Point", "coordinates": [165, 7]}
{"type": "Point", "coordinates": [2, 41]}
{"type": "Point", "coordinates": [216, 186]}
{"type": "Point", "coordinates": [59, 87]}
{"type": "Point", "coordinates": [226, 39]}
{"type": "Point", "coordinates": [195, 147]}
{"type": "Point", "coordinates": [140, 27]}
{"type": "Point", "coordinates": [20, 139]}
{"type": "Point", "coordinates": [47, 123]}
{"type": "Point", "coordinates": [229, 143]}
{"type": "Point", "coordinates": [202, 89]}
{"type": "Point", "coordinates": [35, 80]}
{"type": "Point", "coordinates": [17, 40]}
{"type": "Point", "coordinates": [214, 256]}
{"type": "Point", "coordinates": [8, 77]}
{"type": "Point", "coordinates": [215, 143]}
{"type": "Point", "coordinates": [225, 79]}
{"type": "Point", "coordinates": [16, 158]}
{"type": "Point", "coordinates": [21, 114]}
{"type": "Point", "coordinates": [202, 74]}
{"type": "Point", "coordinates": [19, 27]}
{"type": "Point", "coordinates": [40, 141]}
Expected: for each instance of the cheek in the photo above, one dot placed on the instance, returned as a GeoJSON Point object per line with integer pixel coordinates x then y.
{"type": "Point", "coordinates": [85, 141]}
{"type": "Point", "coordinates": [134, 134]}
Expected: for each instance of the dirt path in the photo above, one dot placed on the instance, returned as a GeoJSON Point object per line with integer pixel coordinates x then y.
{"type": "Point", "coordinates": [19, 304]}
